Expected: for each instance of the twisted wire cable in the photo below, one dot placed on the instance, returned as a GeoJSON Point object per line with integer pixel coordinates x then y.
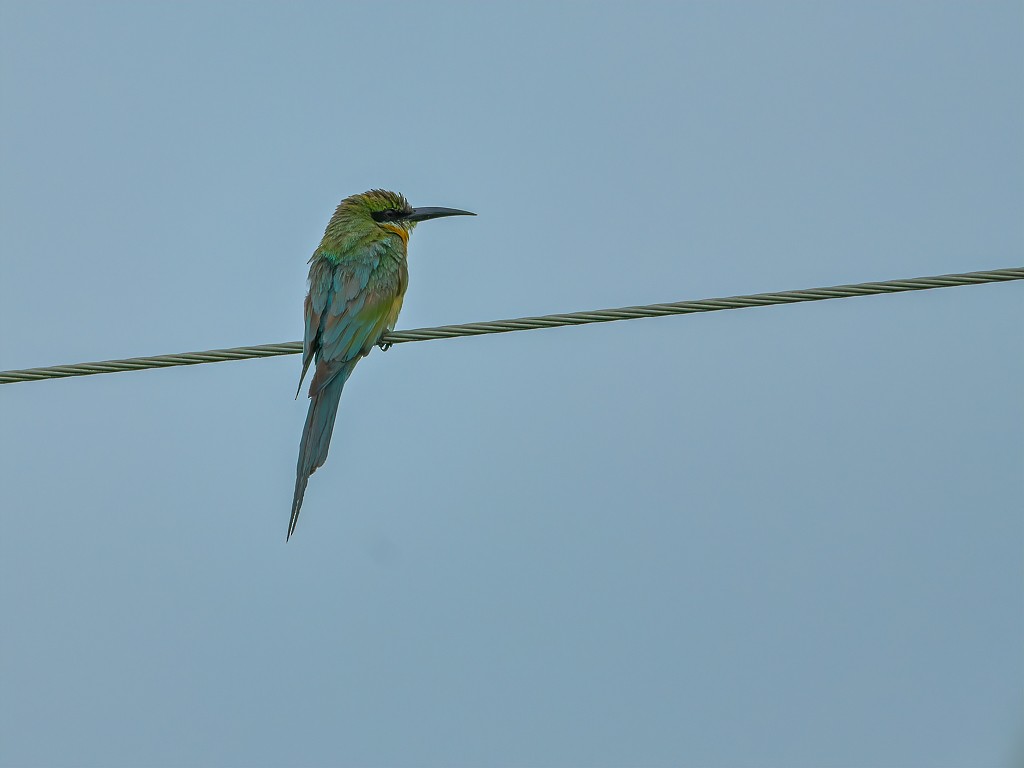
{"type": "Point", "coordinates": [529, 323]}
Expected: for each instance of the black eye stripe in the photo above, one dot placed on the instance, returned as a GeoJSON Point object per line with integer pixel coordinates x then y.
{"type": "Point", "coordinates": [390, 214]}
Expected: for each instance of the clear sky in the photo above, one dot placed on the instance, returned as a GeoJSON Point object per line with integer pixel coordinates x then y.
{"type": "Point", "coordinates": [778, 537]}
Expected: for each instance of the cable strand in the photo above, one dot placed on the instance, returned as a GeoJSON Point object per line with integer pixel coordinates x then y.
{"type": "Point", "coordinates": [528, 323]}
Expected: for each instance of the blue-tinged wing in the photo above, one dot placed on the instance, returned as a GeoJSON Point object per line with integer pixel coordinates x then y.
{"type": "Point", "coordinates": [335, 303]}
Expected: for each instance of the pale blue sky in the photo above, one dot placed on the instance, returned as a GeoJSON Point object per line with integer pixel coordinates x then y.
{"type": "Point", "coordinates": [777, 537]}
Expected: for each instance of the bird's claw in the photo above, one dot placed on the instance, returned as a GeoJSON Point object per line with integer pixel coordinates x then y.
{"type": "Point", "coordinates": [384, 345]}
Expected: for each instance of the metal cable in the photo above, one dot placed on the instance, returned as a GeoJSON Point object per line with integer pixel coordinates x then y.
{"type": "Point", "coordinates": [528, 323]}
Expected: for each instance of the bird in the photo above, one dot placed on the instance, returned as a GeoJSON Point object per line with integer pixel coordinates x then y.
{"type": "Point", "coordinates": [357, 281]}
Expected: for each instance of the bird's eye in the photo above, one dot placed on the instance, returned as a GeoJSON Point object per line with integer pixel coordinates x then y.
{"type": "Point", "coordinates": [389, 215]}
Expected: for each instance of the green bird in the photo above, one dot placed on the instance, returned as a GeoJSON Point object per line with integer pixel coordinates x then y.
{"type": "Point", "coordinates": [357, 280]}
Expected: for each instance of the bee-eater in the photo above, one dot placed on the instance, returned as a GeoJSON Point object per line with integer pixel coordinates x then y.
{"type": "Point", "coordinates": [357, 280]}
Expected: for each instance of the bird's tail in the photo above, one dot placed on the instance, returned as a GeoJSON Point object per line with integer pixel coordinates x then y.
{"type": "Point", "coordinates": [316, 436]}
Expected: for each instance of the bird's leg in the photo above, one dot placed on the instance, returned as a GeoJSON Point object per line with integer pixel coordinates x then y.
{"type": "Point", "coordinates": [384, 345]}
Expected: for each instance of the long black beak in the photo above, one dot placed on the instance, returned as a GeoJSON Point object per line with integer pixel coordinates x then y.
{"type": "Point", "coordinates": [422, 214]}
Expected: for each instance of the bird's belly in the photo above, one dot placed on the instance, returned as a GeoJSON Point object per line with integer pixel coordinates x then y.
{"type": "Point", "coordinates": [392, 317]}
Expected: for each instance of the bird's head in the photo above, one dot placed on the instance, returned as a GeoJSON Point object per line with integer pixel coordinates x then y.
{"type": "Point", "coordinates": [376, 215]}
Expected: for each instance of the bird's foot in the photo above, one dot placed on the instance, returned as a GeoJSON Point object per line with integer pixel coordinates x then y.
{"type": "Point", "coordinates": [384, 345]}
